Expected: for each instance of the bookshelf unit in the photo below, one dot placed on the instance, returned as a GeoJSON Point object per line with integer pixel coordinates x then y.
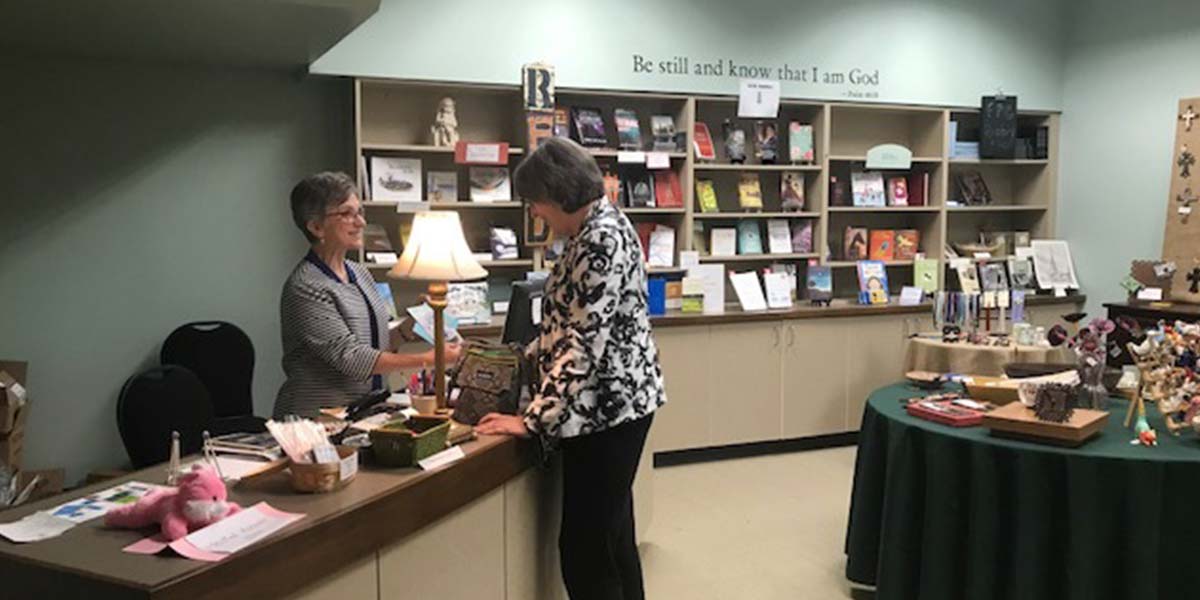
{"type": "Point", "coordinates": [393, 117]}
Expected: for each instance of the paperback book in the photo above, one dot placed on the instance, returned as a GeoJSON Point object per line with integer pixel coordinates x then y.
{"type": "Point", "coordinates": [703, 142]}
{"type": "Point", "coordinates": [667, 192]}
{"type": "Point", "coordinates": [749, 237]}
{"type": "Point", "coordinates": [662, 247]}
{"type": "Point", "coordinates": [800, 143]}
{"type": "Point", "coordinates": [662, 128]}
{"type": "Point", "coordinates": [992, 277]}
{"type": "Point", "coordinates": [819, 283]}
{"type": "Point", "coordinates": [588, 124]}
{"type": "Point", "coordinates": [883, 245]}
{"type": "Point", "coordinates": [802, 236]}
{"type": "Point", "coordinates": [504, 243]}
{"type": "Point", "coordinates": [612, 188]}
{"type": "Point", "coordinates": [872, 282]}
{"type": "Point", "coordinates": [968, 277]}
{"type": "Point", "coordinates": [706, 195]}
{"type": "Point", "coordinates": [539, 128]}
{"type": "Point", "coordinates": [791, 191]}
{"type": "Point", "coordinates": [490, 184]}
{"type": "Point", "coordinates": [724, 241]}
{"type": "Point", "coordinates": [908, 241]}
{"type": "Point", "coordinates": [918, 188]}
{"type": "Point", "coordinates": [867, 188]}
{"type": "Point", "coordinates": [925, 274]}
{"type": "Point", "coordinates": [1020, 274]}
{"type": "Point", "coordinates": [897, 191]}
{"type": "Point", "coordinates": [855, 243]}
{"type": "Point", "coordinates": [396, 179]}
{"type": "Point", "coordinates": [629, 133]}
{"type": "Point", "coordinates": [639, 190]}
{"type": "Point", "coordinates": [750, 192]}
{"type": "Point", "coordinates": [779, 236]}
{"type": "Point", "coordinates": [562, 123]}
{"type": "Point", "coordinates": [443, 186]}
{"type": "Point", "coordinates": [766, 142]}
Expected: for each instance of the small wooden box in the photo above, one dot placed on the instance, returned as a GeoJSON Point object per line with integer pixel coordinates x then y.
{"type": "Point", "coordinates": [1017, 421]}
{"type": "Point", "coordinates": [997, 390]}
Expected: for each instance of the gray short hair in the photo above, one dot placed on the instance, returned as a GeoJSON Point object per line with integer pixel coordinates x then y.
{"type": "Point", "coordinates": [316, 194]}
{"type": "Point", "coordinates": [562, 172]}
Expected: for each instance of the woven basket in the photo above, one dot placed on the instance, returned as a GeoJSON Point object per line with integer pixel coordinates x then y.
{"type": "Point", "coordinates": [318, 478]}
{"type": "Point", "coordinates": [405, 443]}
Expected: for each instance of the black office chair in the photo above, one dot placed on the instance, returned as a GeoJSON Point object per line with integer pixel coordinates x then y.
{"type": "Point", "coordinates": [156, 402]}
{"type": "Point", "coordinates": [222, 356]}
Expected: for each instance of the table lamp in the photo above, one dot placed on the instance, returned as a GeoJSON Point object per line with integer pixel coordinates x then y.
{"type": "Point", "coordinates": [438, 253]}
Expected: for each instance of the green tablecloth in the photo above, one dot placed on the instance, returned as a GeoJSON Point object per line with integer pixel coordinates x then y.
{"type": "Point", "coordinates": [945, 513]}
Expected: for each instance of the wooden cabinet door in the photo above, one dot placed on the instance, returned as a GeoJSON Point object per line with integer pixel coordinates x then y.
{"type": "Point", "coordinates": [874, 358]}
{"type": "Point", "coordinates": [683, 422]}
{"type": "Point", "coordinates": [814, 377]}
{"type": "Point", "coordinates": [745, 382]}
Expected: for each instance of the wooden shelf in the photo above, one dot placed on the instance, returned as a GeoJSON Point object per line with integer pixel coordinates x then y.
{"type": "Point", "coordinates": [509, 263]}
{"type": "Point", "coordinates": [863, 158]}
{"type": "Point", "coordinates": [426, 149]}
{"type": "Point", "coordinates": [1000, 161]}
{"type": "Point", "coordinates": [757, 257]}
{"type": "Point", "coordinates": [476, 205]}
{"type": "Point", "coordinates": [998, 208]}
{"type": "Point", "coordinates": [841, 264]}
{"type": "Point", "coordinates": [736, 167]}
{"type": "Point", "coordinates": [650, 210]}
{"type": "Point", "coordinates": [658, 270]}
{"type": "Point", "coordinates": [758, 215]}
{"type": "Point", "coordinates": [613, 152]}
{"type": "Point", "coordinates": [884, 209]}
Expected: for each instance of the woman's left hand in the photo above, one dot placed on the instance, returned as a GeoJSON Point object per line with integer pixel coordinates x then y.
{"type": "Point", "coordinates": [498, 424]}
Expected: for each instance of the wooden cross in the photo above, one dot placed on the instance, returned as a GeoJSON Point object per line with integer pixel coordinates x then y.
{"type": "Point", "coordinates": [1186, 199]}
{"type": "Point", "coordinates": [1187, 117]}
{"type": "Point", "coordinates": [1185, 162]}
{"type": "Point", "coordinates": [1194, 277]}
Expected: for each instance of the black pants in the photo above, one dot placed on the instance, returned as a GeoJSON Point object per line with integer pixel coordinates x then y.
{"type": "Point", "coordinates": [597, 543]}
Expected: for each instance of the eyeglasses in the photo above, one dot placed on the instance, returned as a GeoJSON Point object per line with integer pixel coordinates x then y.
{"type": "Point", "coordinates": [348, 214]}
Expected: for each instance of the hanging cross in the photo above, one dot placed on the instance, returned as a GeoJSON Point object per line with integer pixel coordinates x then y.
{"type": "Point", "coordinates": [1185, 200]}
{"type": "Point", "coordinates": [1194, 277]}
{"type": "Point", "coordinates": [1187, 117]}
{"type": "Point", "coordinates": [1185, 162]}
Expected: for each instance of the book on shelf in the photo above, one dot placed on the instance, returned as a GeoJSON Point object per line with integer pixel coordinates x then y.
{"type": "Point", "coordinates": [800, 143]}
{"type": "Point", "coordinates": [667, 192]}
{"type": "Point", "coordinates": [490, 184]}
{"type": "Point", "coordinates": [908, 243]}
{"type": "Point", "coordinates": [662, 247]}
{"type": "Point", "coordinates": [882, 245]}
{"type": "Point", "coordinates": [867, 188]}
{"type": "Point", "coordinates": [992, 277]}
{"type": "Point", "coordinates": [749, 237]}
{"type": "Point", "coordinates": [750, 192]}
{"type": "Point", "coordinates": [951, 136]}
{"type": "Point", "coordinates": [780, 289]}
{"type": "Point", "coordinates": [504, 243]}
{"type": "Point", "coordinates": [749, 291]}
{"type": "Point", "coordinates": [644, 229]}
{"type": "Point", "coordinates": [1020, 274]}
{"type": "Point", "coordinates": [706, 195]}
{"type": "Point", "coordinates": [364, 179]}
{"type": "Point", "coordinates": [854, 243]}
{"type": "Point", "coordinates": [735, 141]}
{"type": "Point", "coordinates": [766, 142]}
{"type": "Point", "coordinates": [897, 191]}
{"type": "Point", "coordinates": [966, 151]}
{"type": "Point", "coordinates": [972, 189]}
{"type": "Point", "coordinates": [612, 188]}
{"type": "Point", "coordinates": [802, 236]}
{"type": "Point", "coordinates": [385, 291]}
{"type": "Point", "coordinates": [662, 129]}
{"type": "Point", "coordinates": [639, 189]}
{"type": "Point", "coordinates": [724, 241]}
{"type": "Point", "coordinates": [562, 122]}
{"type": "Point", "coordinates": [918, 188]}
{"type": "Point", "coordinates": [693, 295]}
{"type": "Point", "coordinates": [539, 127]}
{"type": "Point", "coordinates": [699, 239]}
{"type": "Point", "coordinates": [793, 273]}
{"type": "Point", "coordinates": [837, 191]}
{"type": "Point", "coordinates": [396, 179]}
{"type": "Point", "coordinates": [925, 274]}
{"type": "Point", "coordinates": [629, 133]}
{"type": "Point", "coordinates": [819, 282]}
{"type": "Point", "coordinates": [702, 142]}
{"type": "Point", "coordinates": [872, 282]}
{"type": "Point", "coordinates": [779, 236]}
{"type": "Point", "coordinates": [588, 126]}
{"type": "Point", "coordinates": [375, 239]}
{"type": "Point", "coordinates": [791, 191]}
{"type": "Point", "coordinates": [443, 186]}
{"type": "Point", "coordinates": [468, 303]}
{"type": "Point", "coordinates": [997, 126]}
{"type": "Point", "coordinates": [968, 276]}
{"type": "Point", "coordinates": [674, 290]}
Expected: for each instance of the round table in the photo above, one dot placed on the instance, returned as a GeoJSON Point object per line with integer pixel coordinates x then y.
{"type": "Point", "coordinates": [932, 354]}
{"type": "Point", "coordinates": [945, 513]}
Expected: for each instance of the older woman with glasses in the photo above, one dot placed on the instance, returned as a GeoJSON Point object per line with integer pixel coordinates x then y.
{"type": "Point", "coordinates": [334, 323]}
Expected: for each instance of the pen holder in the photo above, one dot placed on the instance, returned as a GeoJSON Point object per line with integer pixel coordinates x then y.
{"type": "Point", "coordinates": [325, 477]}
{"type": "Point", "coordinates": [424, 404]}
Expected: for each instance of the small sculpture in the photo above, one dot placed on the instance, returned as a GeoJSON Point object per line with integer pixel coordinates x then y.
{"type": "Point", "coordinates": [735, 142]}
{"type": "Point", "coordinates": [445, 124]}
{"type": "Point", "coordinates": [1054, 402]}
{"type": "Point", "coordinates": [199, 501]}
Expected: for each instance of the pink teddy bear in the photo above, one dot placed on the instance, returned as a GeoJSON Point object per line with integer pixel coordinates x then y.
{"type": "Point", "coordinates": [200, 500]}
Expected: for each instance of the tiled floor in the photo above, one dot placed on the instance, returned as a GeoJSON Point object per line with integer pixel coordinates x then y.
{"type": "Point", "coordinates": [762, 528]}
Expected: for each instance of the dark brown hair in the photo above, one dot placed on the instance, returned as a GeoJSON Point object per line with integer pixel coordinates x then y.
{"type": "Point", "coordinates": [561, 172]}
{"type": "Point", "coordinates": [316, 194]}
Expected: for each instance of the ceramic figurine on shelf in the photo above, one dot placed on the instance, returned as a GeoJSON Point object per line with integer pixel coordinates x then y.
{"type": "Point", "coordinates": [735, 142]}
{"type": "Point", "coordinates": [445, 124]}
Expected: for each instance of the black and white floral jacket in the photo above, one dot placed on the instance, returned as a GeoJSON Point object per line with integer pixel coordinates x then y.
{"type": "Point", "coordinates": [596, 358]}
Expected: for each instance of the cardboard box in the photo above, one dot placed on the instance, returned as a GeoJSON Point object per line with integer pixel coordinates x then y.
{"type": "Point", "coordinates": [12, 393]}
{"type": "Point", "coordinates": [51, 483]}
{"type": "Point", "coordinates": [12, 444]}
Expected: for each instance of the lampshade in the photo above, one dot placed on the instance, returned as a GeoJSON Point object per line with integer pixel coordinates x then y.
{"type": "Point", "coordinates": [437, 251]}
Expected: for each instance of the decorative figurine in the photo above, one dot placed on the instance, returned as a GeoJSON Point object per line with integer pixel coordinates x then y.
{"type": "Point", "coordinates": [1053, 402]}
{"type": "Point", "coordinates": [445, 124]}
{"type": "Point", "coordinates": [1194, 278]}
{"type": "Point", "coordinates": [1185, 162]}
{"type": "Point", "coordinates": [1185, 200]}
{"type": "Point", "coordinates": [735, 142]}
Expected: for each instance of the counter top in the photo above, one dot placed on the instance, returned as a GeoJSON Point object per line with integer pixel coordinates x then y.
{"type": "Point", "coordinates": [378, 508]}
{"type": "Point", "coordinates": [734, 314]}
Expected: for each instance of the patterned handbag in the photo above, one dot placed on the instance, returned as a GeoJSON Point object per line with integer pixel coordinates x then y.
{"type": "Point", "coordinates": [488, 378]}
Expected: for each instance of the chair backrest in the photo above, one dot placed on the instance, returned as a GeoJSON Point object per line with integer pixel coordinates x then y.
{"type": "Point", "coordinates": [222, 356]}
{"type": "Point", "coordinates": [156, 402]}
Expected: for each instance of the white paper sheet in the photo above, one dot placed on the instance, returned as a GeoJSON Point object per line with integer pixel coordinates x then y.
{"type": "Point", "coordinates": [758, 99]}
{"type": "Point", "coordinates": [713, 277]}
{"type": "Point", "coordinates": [658, 160]}
{"type": "Point", "coordinates": [779, 237]}
{"type": "Point", "coordinates": [1052, 264]}
{"type": "Point", "coordinates": [238, 531]}
{"type": "Point", "coordinates": [748, 290]}
{"type": "Point", "coordinates": [631, 157]}
{"type": "Point", "coordinates": [95, 505]}
{"type": "Point", "coordinates": [724, 241]}
{"type": "Point", "coordinates": [779, 289]}
{"type": "Point", "coordinates": [662, 247]}
{"type": "Point", "coordinates": [35, 527]}
{"type": "Point", "coordinates": [442, 458]}
{"type": "Point", "coordinates": [911, 296]}
{"type": "Point", "coordinates": [688, 258]}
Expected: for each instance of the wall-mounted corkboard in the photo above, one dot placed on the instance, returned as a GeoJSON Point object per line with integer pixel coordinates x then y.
{"type": "Point", "coordinates": [1181, 239]}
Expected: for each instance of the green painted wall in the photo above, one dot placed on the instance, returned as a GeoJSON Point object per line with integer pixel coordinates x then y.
{"type": "Point", "coordinates": [136, 198]}
{"type": "Point", "coordinates": [1127, 66]}
{"type": "Point", "coordinates": [926, 51]}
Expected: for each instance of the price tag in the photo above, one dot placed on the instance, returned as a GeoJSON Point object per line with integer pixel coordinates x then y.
{"type": "Point", "coordinates": [911, 296]}
{"type": "Point", "coordinates": [658, 160]}
{"type": "Point", "coordinates": [1060, 292]}
{"type": "Point", "coordinates": [443, 458]}
{"type": "Point", "coordinates": [348, 467]}
{"type": "Point", "coordinates": [636, 158]}
{"type": "Point", "coordinates": [1152, 294]}
{"type": "Point", "coordinates": [535, 307]}
{"type": "Point", "coordinates": [983, 255]}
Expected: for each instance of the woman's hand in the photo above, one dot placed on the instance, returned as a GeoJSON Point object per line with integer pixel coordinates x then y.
{"type": "Point", "coordinates": [498, 424]}
{"type": "Point", "coordinates": [452, 352]}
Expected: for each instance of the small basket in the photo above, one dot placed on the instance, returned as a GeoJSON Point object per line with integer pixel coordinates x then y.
{"type": "Point", "coordinates": [325, 477]}
{"type": "Point", "coordinates": [405, 443]}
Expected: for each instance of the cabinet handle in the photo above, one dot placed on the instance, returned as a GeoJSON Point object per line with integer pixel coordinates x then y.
{"type": "Point", "coordinates": [791, 336]}
{"type": "Point", "coordinates": [775, 330]}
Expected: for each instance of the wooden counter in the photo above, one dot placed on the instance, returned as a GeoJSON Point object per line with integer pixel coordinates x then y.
{"type": "Point", "coordinates": [379, 508]}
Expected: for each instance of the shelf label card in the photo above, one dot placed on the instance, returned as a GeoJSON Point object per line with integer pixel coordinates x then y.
{"type": "Point", "coordinates": [627, 157]}
{"type": "Point", "coordinates": [658, 160]}
{"type": "Point", "coordinates": [758, 99]}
